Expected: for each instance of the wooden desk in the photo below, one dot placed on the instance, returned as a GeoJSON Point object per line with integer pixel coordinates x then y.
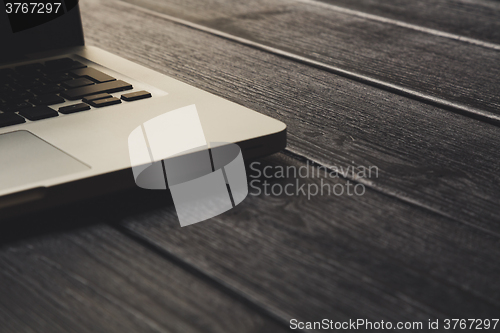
{"type": "Point", "coordinates": [411, 87]}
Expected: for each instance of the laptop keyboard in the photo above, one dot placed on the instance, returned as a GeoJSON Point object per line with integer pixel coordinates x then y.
{"type": "Point", "coordinates": [31, 91]}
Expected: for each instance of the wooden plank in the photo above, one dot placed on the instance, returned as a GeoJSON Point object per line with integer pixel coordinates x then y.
{"type": "Point", "coordinates": [448, 72]}
{"type": "Point", "coordinates": [477, 19]}
{"type": "Point", "coordinates": [98, 280]}
{"type": "Point", "coordinates": [434, 159]}
{"type": "Point", "coordinates": [336, 257]}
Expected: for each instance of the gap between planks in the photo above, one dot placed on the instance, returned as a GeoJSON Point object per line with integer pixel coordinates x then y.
{"type": "Point", "coordinates": [402, 24]}
{"type": "Point", "coordinates": [230, 291]}
{"type": "Point", "coordinates": [227, 289]}
{"type": "Point", "coordinates": [389, 193]}
{"type": "Point", "coordinates": [458, 108]}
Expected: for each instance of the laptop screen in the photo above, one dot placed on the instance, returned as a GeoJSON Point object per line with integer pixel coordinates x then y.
{"type": "Point", "coordinates": [36, 26]}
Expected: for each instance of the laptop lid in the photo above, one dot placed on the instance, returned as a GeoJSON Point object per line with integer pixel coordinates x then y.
{"type": "Point", "coordinates": [29, 27]}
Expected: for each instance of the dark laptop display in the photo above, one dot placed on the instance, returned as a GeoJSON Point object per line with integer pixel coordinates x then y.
{"type": "Point", "coordinates": [27, 28]}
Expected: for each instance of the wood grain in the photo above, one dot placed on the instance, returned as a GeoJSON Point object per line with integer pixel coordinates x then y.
{"type": "Point", "coordinates": [435, 159]}
{"type": "Point", "coordinates": [98, 280]}
{"type": "Point", "coordinates": [367, 49]}
{"type": "Point", "coordinates": [335, 257]}
{"type": "Point", "coordinates": [274, 258]}
{"type": "Point", "coordinates": [477, 19]}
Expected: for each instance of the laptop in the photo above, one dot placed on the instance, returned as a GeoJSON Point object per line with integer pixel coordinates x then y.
{"type": "Point", "coordinates": [67, 111]}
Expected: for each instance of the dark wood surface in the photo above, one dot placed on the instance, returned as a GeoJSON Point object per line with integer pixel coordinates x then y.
{"type": "Point", "coordinates": [473, 19]}
{"type": "Point", "coordinates": [339, 255]}
{"type": "Point", "coordinates": [85, 281]}
{"type": "Point", "coordinates": [379, 53]}
{"type": "Point", "coordinates": [422, 243]}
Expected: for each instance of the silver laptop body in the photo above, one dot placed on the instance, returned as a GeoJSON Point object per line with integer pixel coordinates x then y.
{"type": "Point", "coordinates": [77, 155]}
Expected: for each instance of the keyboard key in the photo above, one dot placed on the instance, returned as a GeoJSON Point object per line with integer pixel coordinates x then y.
{"type": "Point", "coordinates": [16, 106]}
{"type": "Point", "coordinates": [8, 119]}
{"type": "Point", "coordinates": [81, 82]}
{"type": "Point", "coordinates": [5, 89]}
{"type": "Point", "coordinates": [96, 97]}
{"type": "Point", "coordinates": [6, 79]}
{"type": "Point", "coordinates": [6, 71]}
{"type": "Point", "coordinates": [47, 89]}
{"type": "Point", "coordinates": [18, 96]}
{"type": "Point", "coordinates": [72, 66]}
{"type": "Point", "coordinates": [23, 94]}
{"type": "Point", "coordinates": [29, 69]}
{"type": "Point", "coordinates": [136, 96]}
{"type": "Point", "coordinates": [57, 78]}
{"type": "Point", "coordinates": [16, 86]}
{"type": "Point", "coordinates": [63, 66]}
{"type": "Point", "coordinates": [29, 82]}
{"type": "Point", "coordinates": [92, 74]}
{"type": "Point", "coordinates": [47, 100]}
{"type": "Point", "coordinates": [38, 112]}
{"type": "Point", "coordinates": [105, 102]}
{"type": "Point", "coordinates": [74, 108]}
{"type": "Point", "coordinates": [26, 77]}
{"type": "Point", "coordinates": [109, 87]}
{"type": "Point", "coordinates": [57, 62]}
{"type": "Point", "coordinates": [5, 95]}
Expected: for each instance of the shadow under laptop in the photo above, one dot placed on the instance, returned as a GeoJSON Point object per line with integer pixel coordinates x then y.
{"type": "Point", "coordinates": [136, 203]}
{"type": "Point", "coordinates": [105, 209]}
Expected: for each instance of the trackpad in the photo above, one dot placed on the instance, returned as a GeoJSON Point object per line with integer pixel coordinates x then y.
{"type": "Point", "coordinates": [25, 159]}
